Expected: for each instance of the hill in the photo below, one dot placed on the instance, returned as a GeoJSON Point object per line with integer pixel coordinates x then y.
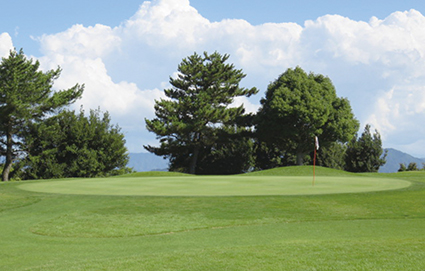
{"type": "Point", "coordinates": [395, 157]}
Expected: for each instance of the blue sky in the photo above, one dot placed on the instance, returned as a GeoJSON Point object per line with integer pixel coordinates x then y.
{"type": "Point", "coordinates": [25, 18]}
{"type": "Point", "coordinates": [258, 11]}
{"type": "Point", "coordinates": [124, 51]}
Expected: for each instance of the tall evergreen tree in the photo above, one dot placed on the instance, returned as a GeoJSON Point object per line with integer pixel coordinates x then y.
{"type": "Point", "coordinates": [198, 104]}
{"type": "Point", "coordinates": [299, 106]}
{"type": "Point", "coordinates": [365, 154]}
{"type": "Point", "coordinates": [26, 96]}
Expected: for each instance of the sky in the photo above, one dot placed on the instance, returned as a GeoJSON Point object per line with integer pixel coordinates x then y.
{"type": "Point", "coordinates": [125, 51]}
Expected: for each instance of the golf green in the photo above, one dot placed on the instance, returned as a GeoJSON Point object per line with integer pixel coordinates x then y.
{"type": "Point", "coordinates": [216, 185]}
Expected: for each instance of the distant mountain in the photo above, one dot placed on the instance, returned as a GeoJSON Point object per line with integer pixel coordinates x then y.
{"type": "Point", "coordinates": [395, 158]}
{"type": "Point", "coordinates": [150, 162]}
{"type": "Point", "coordinates": [147, 162]}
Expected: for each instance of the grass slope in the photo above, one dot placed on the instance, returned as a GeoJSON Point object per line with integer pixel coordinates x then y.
{"type": "Point", "coordinates": [358, 231]}
{"type": "Point", "coordinates": [301, 171]}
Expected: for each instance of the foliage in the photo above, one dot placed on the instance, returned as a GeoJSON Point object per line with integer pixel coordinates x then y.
{"type": "Point", "coordinates": [332, 156]}
{"type": "Point", "coordinates": [402, 167]}
{"type": "Point", "coordinates": [232, 153]}
{"type": "Point", "coordinates": [268, 155]}
{"type": "Point", "coordinates": [299, 106]}
{"type": "Point", "coordinates": [26, 96]}
{"type": "Point", "coordinates": [365, 154]}
{"type": "Point", "coordinates": [411, 167]}
{"type": "Point", "coordinates": [198, 105]}
{"type": "Point", "coordinates": [73, 145]}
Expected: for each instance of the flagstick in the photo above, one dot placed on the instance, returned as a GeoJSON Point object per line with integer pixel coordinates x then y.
{"type": "Point", "coordinates": [316, 147]}
{"type": "Point", "coordinates": [314, 166]}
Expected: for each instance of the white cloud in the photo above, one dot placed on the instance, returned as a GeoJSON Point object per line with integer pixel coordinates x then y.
{"type": "Point", "coordinates": [89, 42]}
{"type": "Point", "coordinates": [166, 23]}
{"type": "Point", "coordinates": [248, 105]}
{"type": "Point", "coordinates": [6, 44]}
{"type": "Point", "coordinates": [378, 65]}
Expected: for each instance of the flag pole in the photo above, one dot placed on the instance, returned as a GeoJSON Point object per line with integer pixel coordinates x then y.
{"type": "Point", "coordinates": [314, 166]}
{"type": "Point", "coordinates": [316, 147]}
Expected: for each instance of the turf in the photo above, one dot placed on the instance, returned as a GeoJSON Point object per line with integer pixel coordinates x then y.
{"type": "Point", "coordinates": [285, 181]}
{"type": "Point", "coordinates": [381, 230]}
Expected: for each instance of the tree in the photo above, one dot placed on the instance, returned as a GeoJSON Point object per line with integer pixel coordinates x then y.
{"type": "Point", "coordinates": [73, 145]}
{"type": "Point", "coordinates": [332, 156]}
{"type": "Point", "coordinates": [187, 124]}
{"type": "Point", "coordinates": [269, 155]}
{"type": "Point", "coordinates": [402, 167]}
{"type": "Point", "coordinates": [412, 167]}
{"type": "Point", "coordinates": [299, 106]}
{"type": "Point", "coordinates": [365, 154]}
{"type": "Point", "coordinates": [232, 153]}
{"type": "Point", "coordinates": [26, 96]}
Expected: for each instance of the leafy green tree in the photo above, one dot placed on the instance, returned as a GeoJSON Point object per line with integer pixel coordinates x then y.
{"type": "Point", "coordinates": [188, 122]}
{"type": "Point", "coordinates": [26, 96]}
{"type": "Point", "coordinates": [299, 106]}
{"type": "Point", "coordinates": [402, 167]}
{"type": "Point", "coordinates": [332, 156]}
{"type": "Point", "coordinates": [232, 153]}
{"type": "Point", "coordinates": [412, 167]}
{"type": "Point", "coordinates": [268, 155]}
{"type": "Point", "coordinates": [365, 154]}
{"type": "Point", "coordinates": [73, 145]}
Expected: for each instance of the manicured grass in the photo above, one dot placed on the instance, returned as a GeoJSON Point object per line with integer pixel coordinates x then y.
{"type": "Point", "coordinates": [286, 181]}
{"type": "Point", "coordinates": [382, 230]}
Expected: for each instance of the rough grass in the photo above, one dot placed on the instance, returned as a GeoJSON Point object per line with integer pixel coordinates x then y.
{"type": "Point", "coordinates": [358, 231]}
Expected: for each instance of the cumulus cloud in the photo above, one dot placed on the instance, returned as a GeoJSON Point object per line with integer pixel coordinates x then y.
{"type": "Point", "coordinates": [6, 44]}
{"type": "Point", "coordinates": [378, 65]}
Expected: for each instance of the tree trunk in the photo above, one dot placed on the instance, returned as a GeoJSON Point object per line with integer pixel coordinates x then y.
{"type": "Point", "coordinates": [194, 160]}
{"type": "Point", "coordinates": [300, 158]}
{"type": "Point", "coordinates": [9, 158]}
{"type": "Point", "coordinates": [6, 171]}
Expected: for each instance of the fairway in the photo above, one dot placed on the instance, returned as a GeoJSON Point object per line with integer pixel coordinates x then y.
{"type": "Point", "coordinates": [239, 185]}
{"type": "Point", "coordinates": [169, 221]}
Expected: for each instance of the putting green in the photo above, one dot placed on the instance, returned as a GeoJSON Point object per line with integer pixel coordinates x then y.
{"type": "Point", "coordinates": [216, 185]}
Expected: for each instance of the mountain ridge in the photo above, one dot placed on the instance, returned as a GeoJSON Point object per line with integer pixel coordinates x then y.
{"type": "Point", "coordinates": [150, 162]}
{"type": "Point", "coordinates": [396, 157]}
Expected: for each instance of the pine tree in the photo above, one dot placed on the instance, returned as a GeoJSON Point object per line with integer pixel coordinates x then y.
{"type": "Point", "coordinates": [26, 96]}
{"type": "Point", "coordinates": [365, 154]}
{"type": "Point", "coordinates": [198, 103]}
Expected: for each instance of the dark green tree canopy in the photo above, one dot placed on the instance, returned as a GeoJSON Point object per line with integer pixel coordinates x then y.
{"type": "Point", "coordinates": [299, 106]}
{"type": "Point", "coordinates": [73, 145]}
{"type": "Point", "coordinates": [198, 104]}
{"type": "Point", "coordinates": [365, 154]}
{"type": "Point", "coordinates": [26, 96]}
{"type": "Point", "coordinates": [332, 156]}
